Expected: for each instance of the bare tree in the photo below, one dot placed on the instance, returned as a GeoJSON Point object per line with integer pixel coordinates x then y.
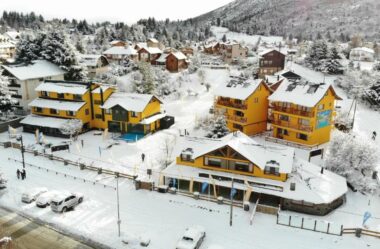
{"type": "Point", "coordinates": [71, 127]}
{"type": "Point", "coordinates": [167, 148]}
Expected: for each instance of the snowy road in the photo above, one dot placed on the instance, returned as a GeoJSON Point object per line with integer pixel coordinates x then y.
{"type": "Point", "coordinates": [27, 234]}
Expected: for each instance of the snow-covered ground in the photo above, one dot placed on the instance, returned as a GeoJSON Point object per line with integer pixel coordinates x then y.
{"type": "Point", "coordinates": [163, 217]}
{"type": "Point", "coordinates": [219, 32]}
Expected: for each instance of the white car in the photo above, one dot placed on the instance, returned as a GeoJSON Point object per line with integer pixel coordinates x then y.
{"type": "Point", "coordinates": [44, 199]}
{"type": "Point", "coordinates": [192, 238]}
{"type": "Point", "coordinates": [65, 201]}
{"type": "Point", "coordinates": [31, 195]}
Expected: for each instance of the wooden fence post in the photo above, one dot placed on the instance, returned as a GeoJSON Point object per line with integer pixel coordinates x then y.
{"type": "Point", "coordinates": [315, 225]}
{"type": "Point", "coordinates": [290, 218]}
{"type": "Point", "coordinates": [328, 227]}
{"type": "Point", "coordinates": [302, 223]}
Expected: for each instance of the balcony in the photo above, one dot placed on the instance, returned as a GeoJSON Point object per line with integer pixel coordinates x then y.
{"type": "Point", "coordinates": [293, 111]}
{"type": "Point", "coordinates": [300, 127]}
{"type": "Point", "coordinates": [229, 103]}
{"type": "Point", "coordinates": [238, 119]}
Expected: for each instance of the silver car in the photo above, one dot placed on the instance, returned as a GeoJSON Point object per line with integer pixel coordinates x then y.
{"type": "Point", "coordinates": [31, 195]}
{"type": "Point", "coordinates": [63, 202]}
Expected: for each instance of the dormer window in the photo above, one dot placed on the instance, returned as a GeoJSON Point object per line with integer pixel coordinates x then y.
{"type": "Point", "coordinates": [61, 95]}
{"type": "Point", "coordinates": [44, 94]}
{"type": "Point", "coordinates": [187, 155]}
{"type": "Point", "coordinates": [272, 168]}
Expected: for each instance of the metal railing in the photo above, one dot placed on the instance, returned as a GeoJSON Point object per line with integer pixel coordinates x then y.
{"type": "Point", "coordinates": [231, 104]}
{"type": "Point", "coordinates": [293, 111]}
{"type": "Point", "coordinates": [300, 127]}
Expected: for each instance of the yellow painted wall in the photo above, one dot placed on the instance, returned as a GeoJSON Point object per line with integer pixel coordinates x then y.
{"type": "Point", "coordinates": [316, 136]}
{"type": "Point", "coordinates": [256, 112]}
{"type": "Point", "coordinates": [98, 123]}
{"type": "Point", "coordinates": [257, 172]}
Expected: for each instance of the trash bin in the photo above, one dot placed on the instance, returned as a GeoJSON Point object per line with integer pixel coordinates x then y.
{"type": "Point", "coordinates": [246, 206]}
{"type": "Point", "coordinates": [220, 199]}
{"type": "Point", "coordinates": [196, 195]}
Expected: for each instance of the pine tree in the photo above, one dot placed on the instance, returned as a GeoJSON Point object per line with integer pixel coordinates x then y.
{"type": "Point", "coordinates": [144, 83]}
{"type": "Point", "coordinates": [218, 127]}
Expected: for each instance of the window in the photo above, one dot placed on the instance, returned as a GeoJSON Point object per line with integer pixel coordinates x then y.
{"type": "Point", "coordinates": [256, 100]}
{"type": "Point", "coordinates": [214, 162]}
{"type": "Point", "coordinates": [70, 113]}
{"type": "Point", "coordinates": [77, 97]}
{"type": "Point", "coordinates": [239, 113]}
{"type": "Point", "coordinates": [302, 121]}
{"type": "Point", "coordinates": [108, 111]}
{"type": "Point", "coordinates": [283, 131]}
{"type": "Point", "coordinates": [186, 157]}
{"type": "Point", "coordinates": [134, 114]}
{"type": "Point", "coordinates": [60, 95]}
{"type": "Point", "coordinates": [98, 116]}
{"type": "Point", "coordinates": [284, 118]}
{"type": "Point", "coordinates": [302, 136]}
{"type": "Point", "coordinates": [87, 111]}
{"type": "Point", "coordinates": [242, 166]}
{"type": "Point", "coordinates": [37, 109]}
{"type": "Point", "coordinates": [272, 170]}
{"type": "Point", "coordinates": [321, 107]}
{"type": "Point", "coordinates": [97, 102]}
{"type": "Point", "coordinates": [237, 126]}
{"type": "Point", "coordinates": [53, 111]}
{"type": "Point", "coordinates": [44, 94]}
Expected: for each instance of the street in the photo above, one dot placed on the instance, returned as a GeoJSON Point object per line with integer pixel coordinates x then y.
{"type": "Point", "coordinates": [27, 234]}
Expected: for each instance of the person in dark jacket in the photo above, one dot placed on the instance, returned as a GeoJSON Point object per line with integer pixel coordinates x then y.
{"type": "Point", "coordinates": [18, 173]}
{"type": "Point", "coordinates": [23, 174]}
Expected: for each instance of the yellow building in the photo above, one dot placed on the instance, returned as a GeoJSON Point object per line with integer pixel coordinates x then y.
{"type": "Point", "coordinates": [302, 112]}
{"type": "Point", "coordinates": [97, 106]}
{"type": "Point", "coordinates": [133, 113]}
{"type": "Point", "coordinates": [244, 102]}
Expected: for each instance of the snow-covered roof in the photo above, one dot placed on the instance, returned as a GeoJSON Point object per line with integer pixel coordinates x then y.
{"type": "Point", "coordinates": [256, 153]}
{"type": "Point", "coordinates": [37, 69]}
{"type": "Point", "coordinates": [43, 121]}
{"type": "Point", "coordinates": [57, 104]}
{"type": "Point", "coordinates": [129, 101]}
{"type": "Point", "coordinates": [90, 60]}
{"type": "Point", "coordinates": [363, 49]}
{"type": "Point", "coordinates": [152, 50]}
{"type": "Point", "coordinates": [270, 50]}
{"type": "Point", "coordinates": [153, 118]}
{"type": "Point", "coordinates": [179, 55]}
{"type": "Point", "coordinates": [237, 88]}
{"type": "Point", "coordinates": [301, 92]}
{"type": "Point", "coordinates": [103, 87]}
{"type": "Point", "coordinates": [162, 58]}
{"type": "Point", "coordinates": [153, 40]}
{"type": "Point", "coordinates": [311, 185]}
{"type": "Point", "coordinates": [118, 50]}
{"type": "Point", "coordinates": [14, 35]}
{"type": "Point", "coordinates": [271, 79]}
{"type": "Point", "coordinates": [62, 87]}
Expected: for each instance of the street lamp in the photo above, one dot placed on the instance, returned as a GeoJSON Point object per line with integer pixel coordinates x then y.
{"type": "Point", "coordinates": [118, 206]}
{"type": "Point", "coordinates": [19, 138]}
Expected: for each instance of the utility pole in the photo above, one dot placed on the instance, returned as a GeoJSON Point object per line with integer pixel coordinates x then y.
{"type": "Point", "coordinates": [232, 199]}
{"type": "Point", "coordinates": [19, 138]}
{"type": "Point", "coordinates": [118, 205]}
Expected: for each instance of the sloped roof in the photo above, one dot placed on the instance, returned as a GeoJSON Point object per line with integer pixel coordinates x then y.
{"type": "Point", "coordinates": [270, 50]}
{"type": "Point", "coordinates": [301, 92]}
{"type": "Point", "coordinates": [57, 104]}
{"type": "Point", "coordinates": [91, 60]}
{"type": "Point", "coordinates": [37, 69]}
{"type": "Point", "coordinates": [121, 51]}
{"type": "Point", "coordinates": [179, 55]}
{"type": "Point", "coordinates": [256, 153]}
{"type": "Point", "coordinates": [43, 121]}
{"type": "Point", "coordinates": [62, 87]}
{"type": "Point", "coordinates": [365, 49]}
{"type": "Point", "coordinates": [238, 88]}
{"type": "Point", "coordinates": [129, 101]}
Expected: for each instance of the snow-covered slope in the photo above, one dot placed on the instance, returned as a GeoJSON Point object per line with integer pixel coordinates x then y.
{"type": "Point", "coordinates": [299, 17]}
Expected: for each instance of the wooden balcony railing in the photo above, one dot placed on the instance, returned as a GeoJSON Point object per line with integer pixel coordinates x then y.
{"type": "Point", "coordinates": [298, 112]}
{"type": "Point", "coordinates": [242, 120]}
{"type": "Point", "coordinates": [232, 104]}
{"type": "Point", "coordinates": [300, 127]}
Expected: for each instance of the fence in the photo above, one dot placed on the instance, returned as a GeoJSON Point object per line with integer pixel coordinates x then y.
{"type": "Point", "coordinates": [309, 224]}
{"type": "Point", "coordinates": [361, 231]}
{"type": "Point", "coordinates": [14, 123]}
{"type": "Point", "coordinates": [292, 144]}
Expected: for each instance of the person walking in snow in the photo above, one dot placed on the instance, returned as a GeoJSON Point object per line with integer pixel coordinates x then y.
{"type": "Point", "coordinates": [18, 174]}
{"type": "Point", "coordinates": [23, 174]}
{"type": "Point", "coordinates": [142, 157]}
{"type": "Point", "coordinates": [374, 135]}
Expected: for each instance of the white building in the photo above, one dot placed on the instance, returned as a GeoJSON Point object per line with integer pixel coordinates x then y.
{"type": "Point", "coordinates": [96, 64]}
{"type": "Point", "coordinates": [7, 48]}
{"type": "Point", "coordinates": [25, 78]}
{"type": "Point", "coordinates": [362, 54]}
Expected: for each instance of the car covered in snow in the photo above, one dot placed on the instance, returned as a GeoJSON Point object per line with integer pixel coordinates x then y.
{"type": "Point", "coordinates": [3, 181]}
{"type": "Point", "coordinates": [65, 201]}
{"type": "Point", "coordinates": [192, 238]}
{"type": "Point", "coordinates": [32, 194]}
{"type": "Point", "coordinates": [44, 199]}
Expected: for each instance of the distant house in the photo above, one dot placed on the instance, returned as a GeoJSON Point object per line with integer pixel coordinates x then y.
{"type": "Point", "coordinates": [362, 54]}
{"type": "Point", "coordinates": [14, 36]}
{"type": "Point", "coordinates": [119, 53]}
{"type": "Point", "coordinates": [188, 51]}
{"type": "Point", "coordinates": [211, 48]}
{"type": "Point", "coordinates": [117, 43]}
{"type": "Point", "coordinates": [176, 61]}
{"type": "Point", "coordinates": [25, 78]}
{"type": "Point", "coordinates": [232, 51]}
{"type": "Point", "coordinates": [96, 64]}
{"type": "Point", "coordinates": [7, 48]}
{"type": "Point", "coordinates": [148, 54]}
{"type": "Point", "coordinates": [271, 61]}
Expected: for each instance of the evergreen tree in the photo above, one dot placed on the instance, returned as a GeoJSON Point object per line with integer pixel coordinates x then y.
{"type": "Point", "coordinates": [218, 127]}
{"type": "Point", "coordinates": [144, 83]}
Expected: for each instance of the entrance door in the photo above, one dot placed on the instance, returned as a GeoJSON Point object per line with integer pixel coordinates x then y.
{"type": "Point", "coordinates": [114, 126]}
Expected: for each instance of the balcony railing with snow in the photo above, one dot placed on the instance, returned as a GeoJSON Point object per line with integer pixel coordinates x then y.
{"type": "Point", "coordinates": [301, 127]}
{"type": "Point", "coordinates": [294, 111]}
{"type": "Point", "coordinates": [232, 104]}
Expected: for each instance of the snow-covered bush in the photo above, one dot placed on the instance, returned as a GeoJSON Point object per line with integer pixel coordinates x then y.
{"type": "Point", "coordinates": [354, 157]}
{"type": "Point", "coordinates": [146, 84]}
{"type": "Point", "coordinates": [71, 127]}
{"type": "Point", "coordinates": [372, 94]}
{"type": "Point", "coordinates": [376, 66]}
{"type": "Point", "coordinates": [323, 59]}
{"type": "Point", "coordinates": [6, 99]}
{"type": "Point", "coordinates": [215, 126]}
{"type": "Point", "coordinates": [355, 82]}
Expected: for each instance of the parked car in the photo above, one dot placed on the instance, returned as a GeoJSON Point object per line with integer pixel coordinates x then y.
{"type": "Point", "coordinates": [44, 199]}
{"type": "Point", "coordinates": [192, 238]}
{"type": "Point", "coordinates": [65, 201]}
{"type": "Point", "coordinates": [3, 181]}
{"type": "Point", "coordinates": [31, 195]}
